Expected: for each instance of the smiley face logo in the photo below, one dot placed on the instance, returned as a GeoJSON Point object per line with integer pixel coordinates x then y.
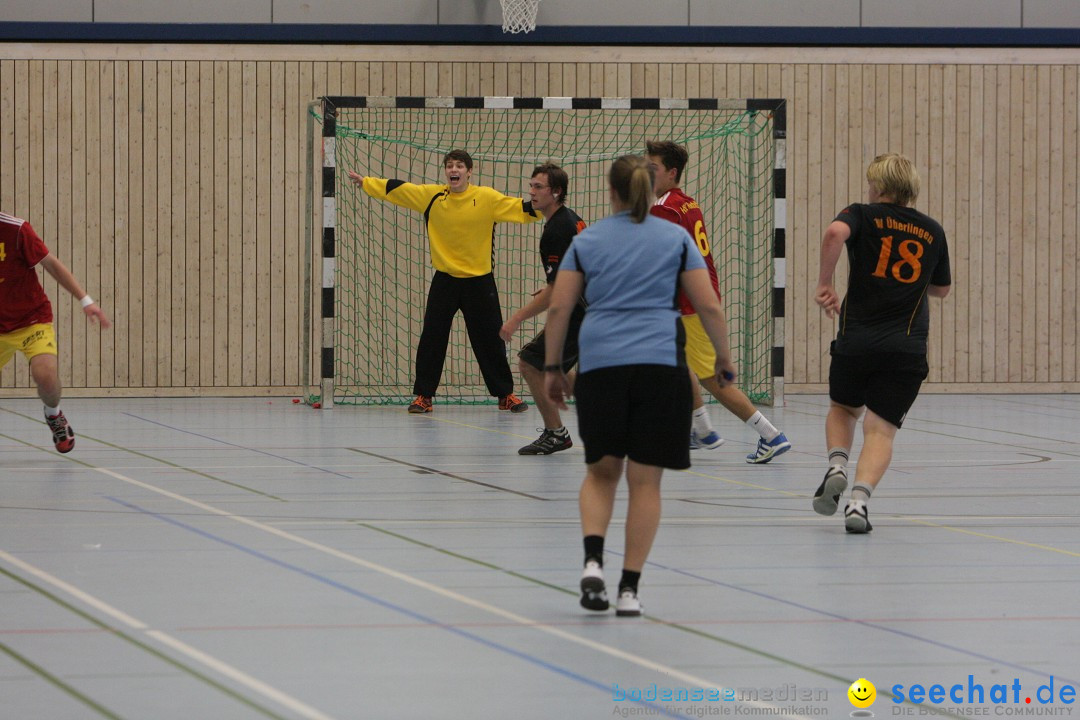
{"type": "Point", "coordinates": [862, 693]}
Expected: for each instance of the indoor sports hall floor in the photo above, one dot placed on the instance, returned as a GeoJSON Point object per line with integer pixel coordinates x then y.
{"type": "Point", "coordinates": [219, 559]}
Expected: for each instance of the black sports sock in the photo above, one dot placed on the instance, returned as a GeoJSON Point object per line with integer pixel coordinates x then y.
{"type": "Point", "coordinates": [629, 580]}
{"type": "Point", "coordinates": [594, 549]}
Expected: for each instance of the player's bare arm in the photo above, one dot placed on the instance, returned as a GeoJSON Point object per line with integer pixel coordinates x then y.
{"type": "Point", "coordinates": [63, 276]}
{"type": "Point", "coordinates": [832, 245]}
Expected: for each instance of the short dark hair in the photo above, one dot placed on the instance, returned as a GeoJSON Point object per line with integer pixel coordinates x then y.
{"type": "Point", "coordinates": [557, 179]}
{"type": "Point", "coordinates": [672, 154]}
{"type": "Point", "coordinates": [458, 155]}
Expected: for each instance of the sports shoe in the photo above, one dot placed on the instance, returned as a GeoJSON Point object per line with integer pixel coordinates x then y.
{"type": "Point", "coordinates": [513, 403]}
{"type": "Point", "coordinates": [857, 517]}
{"type": "Point", "coordinates": [706, 442]}
{"type": "Point", "coordinates": [62, 435]}
{"type": "Point", "coordinates": [548, 442]}
{"type": "Point", "coordinates": [422, 404]}
{"type": "Point", "coordinates": [628, 604]}
{"type": "Point", "coordinates": [593, 590]}
{"type": "Point", "coordinates": [766, 451]}
{"type": "Point", "coordinates": [827, 497]}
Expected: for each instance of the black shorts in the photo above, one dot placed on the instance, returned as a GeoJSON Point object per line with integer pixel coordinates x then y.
{"type": "Point", "coordinates": [886, 383]}
{"type": "Point", "coordinates": [534, 353]}
{"type": "Point", "coordinates": [636, 411]}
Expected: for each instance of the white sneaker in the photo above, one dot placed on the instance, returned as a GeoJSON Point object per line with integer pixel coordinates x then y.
{"type": "Point", "coordinates": [628, 604]}
{"type": "Point", "coordinates": [827, 497]}
{"type": "Point", "coordinates": [593, 590]}
{"type": "Point", "coordinates": [857, 517]}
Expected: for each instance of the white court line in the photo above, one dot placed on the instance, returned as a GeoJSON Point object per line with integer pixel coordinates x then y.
{"type": "Point", "coordinates": [209, 661]}
{"type": "Point", "coordinates": [690, 680]}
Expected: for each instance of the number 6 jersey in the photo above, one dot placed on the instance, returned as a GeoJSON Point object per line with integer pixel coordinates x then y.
{"type": "Point", "coordinates": [681, 209]}
{"type": "Point", "coordinates": [894, 253]}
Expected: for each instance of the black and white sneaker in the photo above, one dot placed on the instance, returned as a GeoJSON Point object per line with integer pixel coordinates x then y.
{"type": "Point", "coordinates": [549, 442]}
{"type": "Point", "coordinates": [593, 590]}
{"type": "Point", "coordinates": [628, 604]}
{"type": "Point", "coordinates": [827, 497]}
{"type": "Point", "coordinates": [857, 517]}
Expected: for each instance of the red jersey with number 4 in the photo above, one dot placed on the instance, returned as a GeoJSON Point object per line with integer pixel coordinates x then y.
{"type": "Point", "coordinates": [681, 209]}
{"type": "Point", "coordinates": [22, 299]}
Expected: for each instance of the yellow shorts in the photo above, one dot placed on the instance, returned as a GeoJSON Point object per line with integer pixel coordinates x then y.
{"type": "Point", "coordinates": [31, 341]}
{"type": "Point", "coordinates": [700, 355]}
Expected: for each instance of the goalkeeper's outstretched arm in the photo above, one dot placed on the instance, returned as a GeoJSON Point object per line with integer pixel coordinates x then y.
{"type": "Point", "coordinates": [406, 194]}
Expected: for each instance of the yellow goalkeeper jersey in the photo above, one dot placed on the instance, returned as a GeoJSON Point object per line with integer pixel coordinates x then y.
{"type": "Point", "coordinates": [461, 226]}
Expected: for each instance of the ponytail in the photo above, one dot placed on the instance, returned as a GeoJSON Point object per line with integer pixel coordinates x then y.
{"type": "Point", "coordinates": [632, 180]}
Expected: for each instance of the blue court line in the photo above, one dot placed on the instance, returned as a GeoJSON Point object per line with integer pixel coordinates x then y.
{"type": "Point", "coordinates": [239, 447]}
{"type": "Point", "coordinates": [570, 674]}
{"type": "Point", "coordinates": [875, 626]}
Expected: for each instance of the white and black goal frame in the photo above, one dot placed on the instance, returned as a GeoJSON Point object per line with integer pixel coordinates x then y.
{"type": "Point", "coordinates": [331, 104]}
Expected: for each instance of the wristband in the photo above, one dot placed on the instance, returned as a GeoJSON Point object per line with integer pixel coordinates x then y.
{"type": "Point", "coordinates": [553, 368]}
{"type": "Point", "coordinates": [86, 300]}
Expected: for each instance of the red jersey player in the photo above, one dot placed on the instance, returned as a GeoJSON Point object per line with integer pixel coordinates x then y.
{"type": "Point", "coordinates": [26, 316]}
{"type": "Point", "coordinates": [668, 161]}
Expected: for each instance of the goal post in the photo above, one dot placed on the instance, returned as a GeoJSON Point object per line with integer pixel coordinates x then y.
{"type": "Point", "coordinates": [375, 258]}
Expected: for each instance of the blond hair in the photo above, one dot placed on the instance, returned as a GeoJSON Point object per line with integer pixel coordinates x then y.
{"type": "Point", "coordinates": [632, 180]}
{"type": "Point", "coordinates": [894, 176]}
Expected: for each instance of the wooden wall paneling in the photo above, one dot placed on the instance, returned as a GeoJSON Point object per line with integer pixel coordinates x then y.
{"type": "Point", "coordinates": [263, 222]}
{"type": "Point", "coordinates": [181, 162]}
{"type": "Point", "coordinates": [293, 231]}
{"type": "Point", "coordinates": [1053, 208]}
{"type": "Point", "coordinates": [651, 80]}
{"type": "Point", "coordinates": [127, 340]}
{"type": "Point", "coordinates": [334, 85]}
{"type": "Point", "coordinates": [347, 72]}
{"type": "Point", "coordinates": [1015, 226]}
{"type": "Point", "coordinates": [974, 235]}
{"type": "Point", "coordinates": [69, 244]}
{"type": "Point", "coordinates": [542, 85]}
{"type": "Point", "coordinates": [205, 237]}
{"type": "Point", "coordinates": [610, 79]}
{"type": "Point", "coordinates": [693, 79]}
{"type": "Point", "coordinates": [237, 175]}
{"type": "Point", "coordinates": [249, 261]}
{"type": "Point", "coordinates": [431, 78]}
{"type": "Point", "coordinates": [153, 286]}
{"type": "Point", "coordinates": [598, 81]}
{"type": "Point", "coordinates": [799, 233]}
{"type": "Point", "coordinates": [501, 80]}
{"type": "Point", "coordinates": [1070, 220]}
{"type": "Point", "coordinates": [818, 325]}
{"type": "Point", "coordinates": [941, 339]}
{"type": "Point", "coordinates": [115, 343]}
{"type": "Point", "coordinates": [280, 354]}
{"type": "Point", "coordinates": [958, 235]}
{"type": "Point", "coordinates": [219, 231]}
{"type": "Point", "coordinates": [7, 136]}
{"type": "Point", "coordinates": [472, 79]}
{"type": "Point", "coordinates": [403, 80]}
{"type": "Point", "coordinates": [101, 260]}
{"type": "Point", "coordinates": [625, 84]}
{"type": "Point", "coordinates": [827, 206]}
{"type": "Point", "coordinates": [1039, 226]}
{"type": "Point", "coordinates": [189, 237]}
{"type": "Point", "coordinates": [995, 247]}
{"type": "Point", "coordinates": [665, 80]}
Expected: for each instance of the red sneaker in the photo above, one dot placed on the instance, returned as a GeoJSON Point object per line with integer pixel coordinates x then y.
{"type": "Point", "coordinates": [513, 403]}
{"type": "Point", "coordinates": [422, 404]}
{"type": "Point", "coordinates": [62, 434]}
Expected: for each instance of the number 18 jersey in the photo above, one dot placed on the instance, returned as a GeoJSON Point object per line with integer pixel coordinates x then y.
{"type": "Point", "coordinates": [894, 253]}
{"type": "Point", "coordinates": [681, 209]}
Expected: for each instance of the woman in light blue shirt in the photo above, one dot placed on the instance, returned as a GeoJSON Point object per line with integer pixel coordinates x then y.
{"type": "Point", "coordinates": [633, 390]}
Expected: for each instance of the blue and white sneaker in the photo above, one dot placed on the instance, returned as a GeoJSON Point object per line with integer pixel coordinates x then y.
{"type": "Point", "coordinates": [705, 442]}
{"type": "Point", "coordinates": [766, 451]}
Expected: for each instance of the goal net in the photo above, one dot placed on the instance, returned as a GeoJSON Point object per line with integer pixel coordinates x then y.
{"type": "Point", "coordinates": [381, 267]}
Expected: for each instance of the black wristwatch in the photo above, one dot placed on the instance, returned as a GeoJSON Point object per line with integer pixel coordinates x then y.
{"type": "Point", "coordinates": [553, 368]}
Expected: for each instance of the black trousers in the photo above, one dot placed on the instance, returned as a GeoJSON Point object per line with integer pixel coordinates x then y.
{"type": "Point", "coordinates": [478, 300]}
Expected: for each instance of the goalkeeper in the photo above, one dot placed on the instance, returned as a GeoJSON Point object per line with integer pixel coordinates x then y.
{"type": "Point", "coordinates": [460, 219]}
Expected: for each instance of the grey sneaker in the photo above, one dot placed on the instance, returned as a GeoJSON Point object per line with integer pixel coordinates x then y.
{"type": "Point", "coordinates": [827, 497]}
{"type": "Point", "coordinates": [628, 604]}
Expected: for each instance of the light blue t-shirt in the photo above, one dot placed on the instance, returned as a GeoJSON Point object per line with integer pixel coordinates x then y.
{"type": "Point", "coordinates": [631, 278]}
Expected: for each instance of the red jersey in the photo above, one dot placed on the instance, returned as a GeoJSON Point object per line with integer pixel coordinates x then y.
{"type": "Point", "coordinates": [680, 208]}
{"type": "Point", "coordinates": [22, 299]}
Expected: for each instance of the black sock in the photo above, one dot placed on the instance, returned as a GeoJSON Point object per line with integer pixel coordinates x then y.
{"type": "Point", "coordinates": [629, 580]}
{"type": "Point", "coordinates": [594, 549]}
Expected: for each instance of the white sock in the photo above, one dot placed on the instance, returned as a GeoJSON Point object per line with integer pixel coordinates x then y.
{"type": "Point", "coordinates": [561, 431]}
{"type": "Point", "coordinates": [838, 457]}
{"type": "Point", "coordinates": [52, 412]}
{"type": "Point", "coordinates": [701, 423]}
{"type": "Point", "coordinates": [863, 491]}
{"type": "Point", "coordinates": [761, 425]}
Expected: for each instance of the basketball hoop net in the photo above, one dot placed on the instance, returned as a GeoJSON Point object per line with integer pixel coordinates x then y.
{"type": "Point", "coordinates": [519, 15]}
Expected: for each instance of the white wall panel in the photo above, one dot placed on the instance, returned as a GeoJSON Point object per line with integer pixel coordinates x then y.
{"type": "Point", "coordinates": [46, 11]}
{"type": "Point", "coordinates": [941, 13]}
{"type": "Point", "coordinates": [840, 13]}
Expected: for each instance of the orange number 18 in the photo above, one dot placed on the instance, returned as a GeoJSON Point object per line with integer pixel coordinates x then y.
{"type": "Point", "coordinates": [910, 252]}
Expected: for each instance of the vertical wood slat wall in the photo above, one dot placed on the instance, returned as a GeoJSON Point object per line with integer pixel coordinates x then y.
{"type": "Point", "coordinates": [175, 190]}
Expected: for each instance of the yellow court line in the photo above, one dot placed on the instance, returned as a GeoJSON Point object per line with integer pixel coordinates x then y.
{"type": "Point", "coordinates": [1037, 546]}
